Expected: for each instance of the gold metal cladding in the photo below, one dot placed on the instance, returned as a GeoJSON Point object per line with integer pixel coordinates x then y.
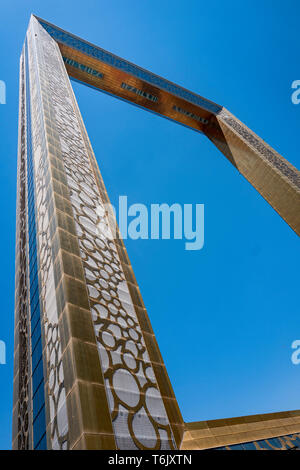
{"type": "Point", "coordinates": [274, 177]}
{"type": "Point", "coordinates": [166, 104]}
{"type": "Point", "coordinates": [106, 381]}
{"type": "Point", "coordinates": [21, 401]}
{"type": "Point", "coordinates": [143, 410]}
{"type": "Point", "coordinates": [271, 175]}
{"type": "Point", "coordinates": [226, 432]}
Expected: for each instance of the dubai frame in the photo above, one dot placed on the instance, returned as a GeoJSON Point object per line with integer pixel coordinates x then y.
{"type": "Point", "coordinates": [88, 373]}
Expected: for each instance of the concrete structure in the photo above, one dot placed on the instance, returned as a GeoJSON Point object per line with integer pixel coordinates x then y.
{"type": "Point", "coordinates": [88, 372]}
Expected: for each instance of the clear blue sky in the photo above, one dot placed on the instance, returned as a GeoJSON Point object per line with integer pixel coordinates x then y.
{"type": "Point", "coordinates": [225, 316]}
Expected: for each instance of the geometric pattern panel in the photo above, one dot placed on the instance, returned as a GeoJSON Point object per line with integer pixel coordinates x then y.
{"type": "Point", "coordinates": [87, 369]}
{"type": "Point", "coordinates": [81, 274]}
{"type": "Point", "coordinates": [138, 413]}
{"type": "Point", "coordinates": [58, 420]}
{"type": "Point", "coordinates": [21, 398]}
{"type": "Point", "coordinates": [271, 175]}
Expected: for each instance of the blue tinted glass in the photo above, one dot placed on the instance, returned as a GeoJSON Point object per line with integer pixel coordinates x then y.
{"type": "Point", "coordinates": [35, 316]}
{"type": "Point", "coordinates": [32, 261]}
{"type": "Point", "coordinates": [36, 354]}
{"type": "Point", "coordinates": [42, 445]}
{"type": "Point", "coordinates": [32, 247]}
{"type": "Point", "coordinates": [39, 423]}
{"type": "Point", "coordinates": [122, 64]}
{"type": "Point", "coordinates": [32, 227]}
{"type": "Point", "coordinates": [34, 296]}
{"type": "Point", "coordinates": [38, 375]}
{"type": "Point", "coordinates": [30, 198]}
{"type": "Point", "coordinates": [38, 399]}
{"type": "Point", "coordinates": [264, 444]}
{"type": "Point", "coordinates": [34, 284]}
{"type": "Point", "coordinates": [275, 442]}
{"type": "Point", "coordinates": [249, 446]}
{"type": "Point", "coordinates": [33, 272]}
{"type": "Point", "coordinates": [31, 211]}
{"type": "Point", "coordinates": [296, 441]}
{"type": "Point", "coordinates": [39, 426]}
{"type": "Point", "coordinates": [36, 334]}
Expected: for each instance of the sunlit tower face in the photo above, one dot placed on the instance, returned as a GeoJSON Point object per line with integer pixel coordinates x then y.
{"type": "Point", "coordinates": [88, 371]}
{"type": "Point", "coordinates": [92, 375]}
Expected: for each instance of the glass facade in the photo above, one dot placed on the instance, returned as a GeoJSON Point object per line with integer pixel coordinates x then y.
{"type": "Point", "coordinates": [290, 442]}
{"type": "Point", "coordinates": [38, 394]}
{"type": "Point", "coordinates": [96, 378]}
{"type": "Point", "coordinates": [106, 57]}
{"type": "Point", "coordinates": [88, 372]}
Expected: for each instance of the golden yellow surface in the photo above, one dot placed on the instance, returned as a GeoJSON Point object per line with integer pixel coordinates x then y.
{"type": "Point", "coordinates": [223, 432]}
{"type": "Point", "coordinates": [270, 174]}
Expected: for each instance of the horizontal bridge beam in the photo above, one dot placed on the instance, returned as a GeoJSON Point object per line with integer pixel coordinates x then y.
{"type": "Point", "coordinates": [271, 175]}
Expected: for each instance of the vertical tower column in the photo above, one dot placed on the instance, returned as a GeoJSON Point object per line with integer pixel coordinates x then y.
{"type": "Point", "coordinates": [21, 405]}
{"type": "Point", "coordinates": [272, 175]}
{"type": "Point", "coordinates": [106, 386]}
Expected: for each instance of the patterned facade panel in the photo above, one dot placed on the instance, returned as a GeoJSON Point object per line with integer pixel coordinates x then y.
{"type": "Point", "coordinates": [21, 403]}
{"type": "Point", "coordinates": [54, 380]}
{"type": "Point", "coordinates": [36, 342]}
{"type": "Point", "coordinates": [137, 408]}
{"type": "Point", "coordinates": [266, 152]}
{"type": "Point", "coordinates": [88, 372]}
{"type": "Point", "coordinates": [269, 173]}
